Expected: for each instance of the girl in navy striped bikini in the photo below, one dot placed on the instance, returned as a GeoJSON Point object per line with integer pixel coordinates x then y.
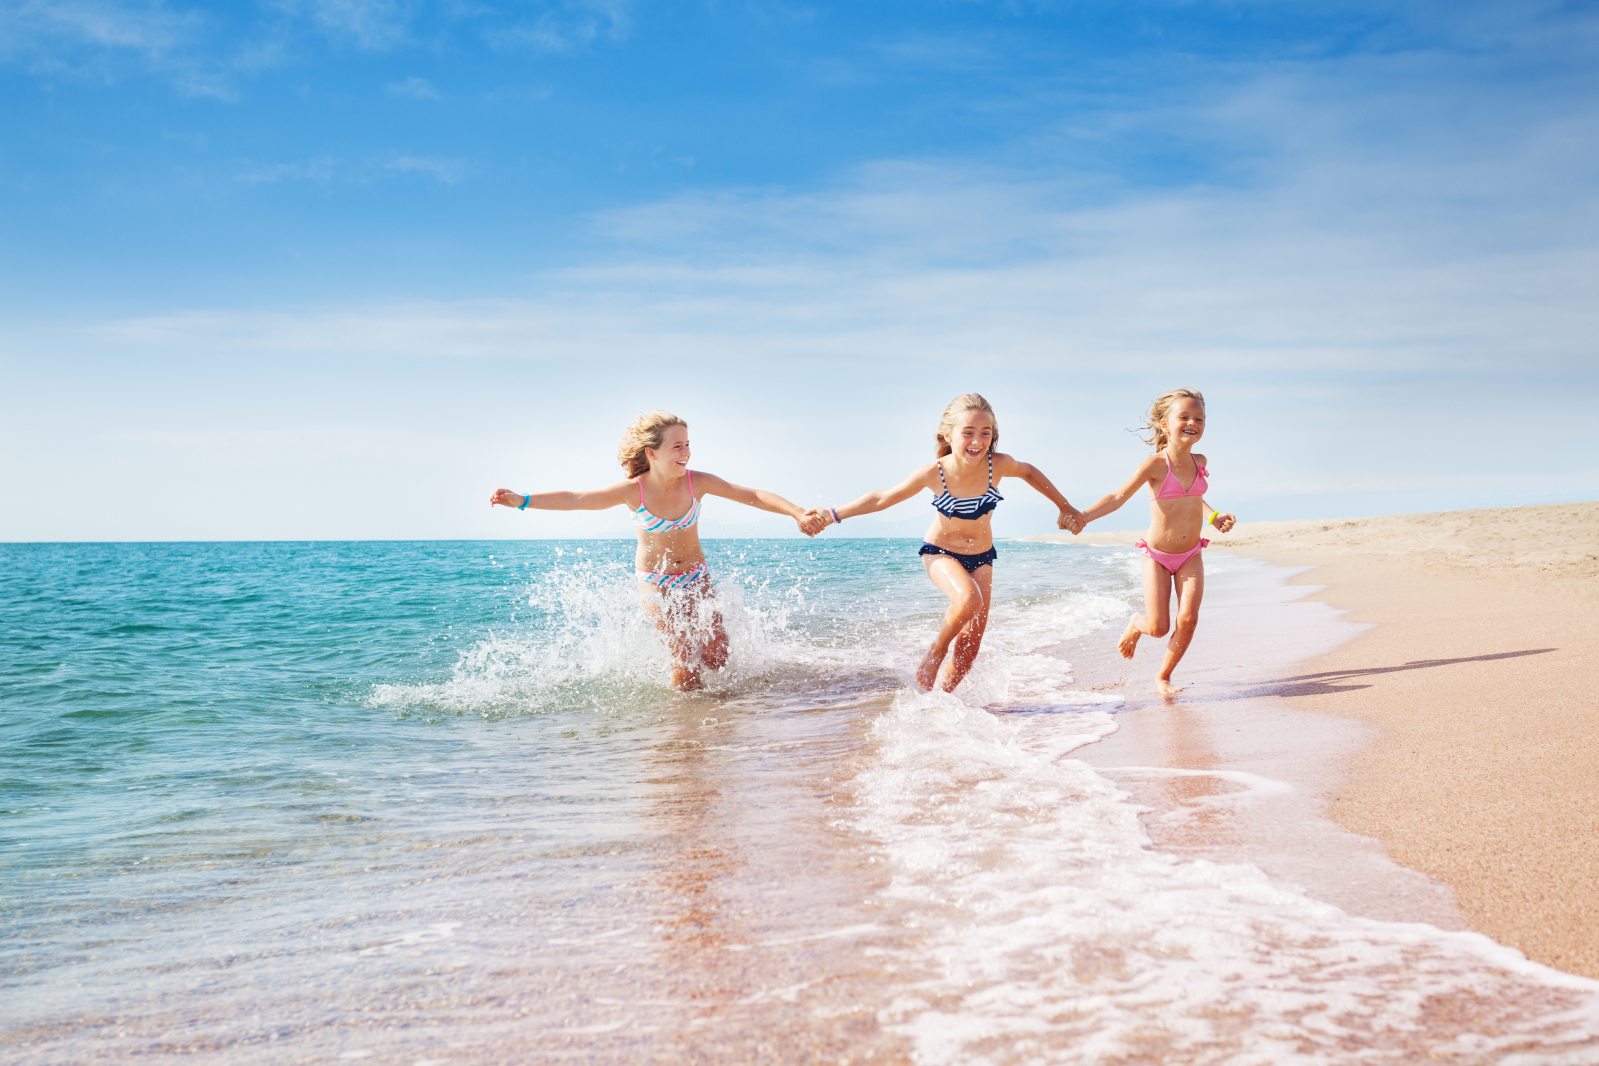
{"type": "Point", "coordinates": [669, 564]}
{"type": "Point", "coordinates": [959, 551]}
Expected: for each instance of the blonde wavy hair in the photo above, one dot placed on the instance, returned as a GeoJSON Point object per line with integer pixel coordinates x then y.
{"type": "Point", "coordinates": [970, 401]}
{"type": "Point", "coordinates": [645, 432]}
{"type": "Point", "coordinates": [1156, 422]}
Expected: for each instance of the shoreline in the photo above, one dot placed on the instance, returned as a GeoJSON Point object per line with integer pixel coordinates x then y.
{"type": "Point", "coordinates": [1477, 671]}
{"type": "Point", "coordinates": [1226, 773]}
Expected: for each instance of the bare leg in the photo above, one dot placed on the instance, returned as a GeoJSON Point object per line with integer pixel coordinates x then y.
{"type": "Point", "coordinates": [1190, 582]}
{"type": "Point", "coordinates": [1156, 618]}
{"type": "Point", "coordinates": [681, 617]}
{"type": "Point", "coordinates": [966, 600]}
{"type": "Point", "coordinates": [713, 653]}
{"type": "Point", "coordinates": [963, 652]}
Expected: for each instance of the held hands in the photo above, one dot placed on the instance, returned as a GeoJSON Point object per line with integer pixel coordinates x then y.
{"type": "Point", "coordinates": [814, 521]}
{"type": "Point", "coordinates": [506, 498]}
{"type": "Point", "coordinates": [1071, 520]}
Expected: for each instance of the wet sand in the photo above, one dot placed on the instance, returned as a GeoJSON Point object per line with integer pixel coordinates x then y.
{"type": "Point", "coordinates": [1478, 672]}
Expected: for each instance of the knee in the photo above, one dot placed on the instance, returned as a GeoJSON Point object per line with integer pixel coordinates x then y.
{"type": "Point", "coordinates": [1186, 621]}
{"type": "Point", "coordinates": [1159, 627]}
{"type": "Point", "coordinates": [968, 605]}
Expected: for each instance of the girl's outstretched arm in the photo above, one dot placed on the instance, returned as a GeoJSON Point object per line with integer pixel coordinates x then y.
{"type": "Point", "coordinates": [878, 499]}
{"type": "Point", "coordinates": [1108, 504]}
{"type": "Point", "coordinates": [595, 500]}
{"type": "Point", "coordinates": [711, 485]}
{"type": "Point", "coordinates": [1223, 522]}
{"type": "Point", "coordinates": [1070, 517]}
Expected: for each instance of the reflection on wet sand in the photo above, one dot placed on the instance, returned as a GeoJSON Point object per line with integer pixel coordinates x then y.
{"type": "Point", "coordinates": [1182, 782]}
{"type": "Point", "coordinates": [764, 942]}
{"type": "Point", "coordinates": [1188, 744]}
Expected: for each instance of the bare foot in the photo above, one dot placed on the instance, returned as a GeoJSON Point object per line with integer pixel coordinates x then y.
{"type": "Point", "coordinates": [1166, 687]}
{"type": "Point", "coordinates": [927, 673]}
{"type": "Point", "coordinates": [686, 678]}
{"type": "Point", "coordinates": [1129, 642]}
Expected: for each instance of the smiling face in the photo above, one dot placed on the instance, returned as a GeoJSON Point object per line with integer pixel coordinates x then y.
{"type": "Point", "coordinates": [1185, 422]}
{"type": "Point", "coordinates": [671, 458]}
{"type": "Point", "coordinates": [972, 436]}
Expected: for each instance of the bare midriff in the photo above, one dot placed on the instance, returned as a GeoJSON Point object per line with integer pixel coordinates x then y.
{"type": "Point", "coordinates": [1171, 519]}
{"type": "Point", "coordinates": [669, 552]}
{"type": "Point", "coordinates": [964, 536]}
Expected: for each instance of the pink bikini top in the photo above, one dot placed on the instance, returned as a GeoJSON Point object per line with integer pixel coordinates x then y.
{"type": "Point", "coordinates": [1172, 489]}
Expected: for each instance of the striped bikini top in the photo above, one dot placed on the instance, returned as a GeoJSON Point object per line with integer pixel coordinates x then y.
{"type": "Point", "coordinates": [652, 524]}
{"type": "Point", "coordinates": [966, 506]}
{"type": "Point", "coordinates": [1172, 489]}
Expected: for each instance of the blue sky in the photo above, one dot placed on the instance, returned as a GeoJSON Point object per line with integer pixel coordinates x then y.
{"type": "Point", "coordinates": [337, 268]}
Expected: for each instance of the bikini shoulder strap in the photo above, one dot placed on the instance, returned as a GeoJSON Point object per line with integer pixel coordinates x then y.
{"type": "Point", "coordinates": [990, 468]}
{"type": "Point", "coordinates": [640, 483]}
{"type": "Point", "coordinates": [939, 462]}
{"type": "Point", "coordinates": [691, 486]}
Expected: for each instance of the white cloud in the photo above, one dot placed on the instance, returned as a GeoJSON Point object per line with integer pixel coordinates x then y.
{"type": "Point", "coordinates": [152, 29]}
{"type": "Point", "coordinates": [328, 169]}
{"type": "Point", "coordinates": [448, 171]}
{"type": "Point", "coordinates": [414, 88]}
{"type": "Point", "coordinates": [566, 26]}
{"type": "Point", "coordinates": [371, 24]}
{"type": "Point", "coordinates": [318, 170]}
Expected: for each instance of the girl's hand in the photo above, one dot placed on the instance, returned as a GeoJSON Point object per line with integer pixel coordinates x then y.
{"type": "Point", "coordinates": [1071, 520]}
{"type": "Point", "coordinates": [813, 522]}
{"type": "Point", "coordinates": [506, 498]}
{"type": "Point", "coordinates": [1224, 523]}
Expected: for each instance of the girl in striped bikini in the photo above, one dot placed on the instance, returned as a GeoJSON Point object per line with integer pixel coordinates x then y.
{"type": "Point", "coordinates": [1176, 477]}
{"type": "Point", "coordinates": [959, 551]}
{"type": "Point", "coordinates": [670, 565]}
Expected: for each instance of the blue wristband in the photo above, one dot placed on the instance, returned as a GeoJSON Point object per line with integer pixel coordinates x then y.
{"type": "Point", "coordinates": [837, 521]}
{"type": "Point", "coordinates": [525, 500]}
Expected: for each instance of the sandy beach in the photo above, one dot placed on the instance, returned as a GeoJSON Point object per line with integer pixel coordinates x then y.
{"type": "Point", "coordinates": [1478, 672]}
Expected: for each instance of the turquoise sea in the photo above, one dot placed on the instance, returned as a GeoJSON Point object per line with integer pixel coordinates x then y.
{"type": "Point", "coordinates": [435, 803]}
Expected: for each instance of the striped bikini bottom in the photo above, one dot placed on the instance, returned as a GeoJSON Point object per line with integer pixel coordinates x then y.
{"type": "Point", "coordinates": [672, 581]}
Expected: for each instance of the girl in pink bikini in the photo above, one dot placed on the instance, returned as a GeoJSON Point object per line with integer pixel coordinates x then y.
{"type": "Point", "coordinates": [670, 564]}
{"type": "Point", "coordinates": [1176, 477]}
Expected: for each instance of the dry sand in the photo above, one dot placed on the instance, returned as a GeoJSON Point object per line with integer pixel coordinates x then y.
{"type": "Point", "coordinates": [1481, 673]}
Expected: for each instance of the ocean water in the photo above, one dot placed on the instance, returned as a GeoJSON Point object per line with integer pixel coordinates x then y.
{"type": "Point", "coordinates": [435, 803]}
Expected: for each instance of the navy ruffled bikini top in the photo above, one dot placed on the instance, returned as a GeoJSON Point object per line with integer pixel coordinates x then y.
{"type": "Point", "coordinates": [966, 506]}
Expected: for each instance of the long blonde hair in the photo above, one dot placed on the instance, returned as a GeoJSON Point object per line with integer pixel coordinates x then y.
{"type": "Point", "coordinates": [970, 401]}
{"type": "Point", "coordinates": [645, 432]}
{"type": "Point", "coordinates": [1156, 422]}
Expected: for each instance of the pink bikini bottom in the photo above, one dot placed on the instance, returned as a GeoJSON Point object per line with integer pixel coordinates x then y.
{"type": "Point", "coordinates": [1172, 561]}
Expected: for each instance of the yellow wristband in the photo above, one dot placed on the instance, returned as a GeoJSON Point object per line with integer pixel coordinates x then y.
{"type": "Point", "coordinates": [1212, 519]}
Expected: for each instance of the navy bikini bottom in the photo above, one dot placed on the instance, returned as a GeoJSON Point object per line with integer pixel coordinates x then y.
{"type": "Point", "coordinates": [969, 562]}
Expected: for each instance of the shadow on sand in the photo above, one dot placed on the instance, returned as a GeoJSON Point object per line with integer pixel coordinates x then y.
{"type": "Point", "coordinates": [1329, 681]}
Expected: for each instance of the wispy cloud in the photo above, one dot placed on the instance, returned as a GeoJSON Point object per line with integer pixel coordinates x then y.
{"type": "Point", "coordinates": [1380, 227]}
{"type": "Point", "coordinates": [565, 26]}
{"type": "Point", "coordinates": [152, 29]}
{"type": "Point", "coordinates": [941, 53]}
{"type": "Point", "coordinates": [98, 38]}
{"type": "Point", "coordinates": [370, 24]}
{"type": "Point", "coordinates": [325, 169]}
{"type": "Point", "coordinates": [317, 170]}
{"type": "Point", "coordinates": [448, 171]}
{"type": "Point", "coordinates": [413, 88]}
{"type": "Point", "coordinates": [205, 53]}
